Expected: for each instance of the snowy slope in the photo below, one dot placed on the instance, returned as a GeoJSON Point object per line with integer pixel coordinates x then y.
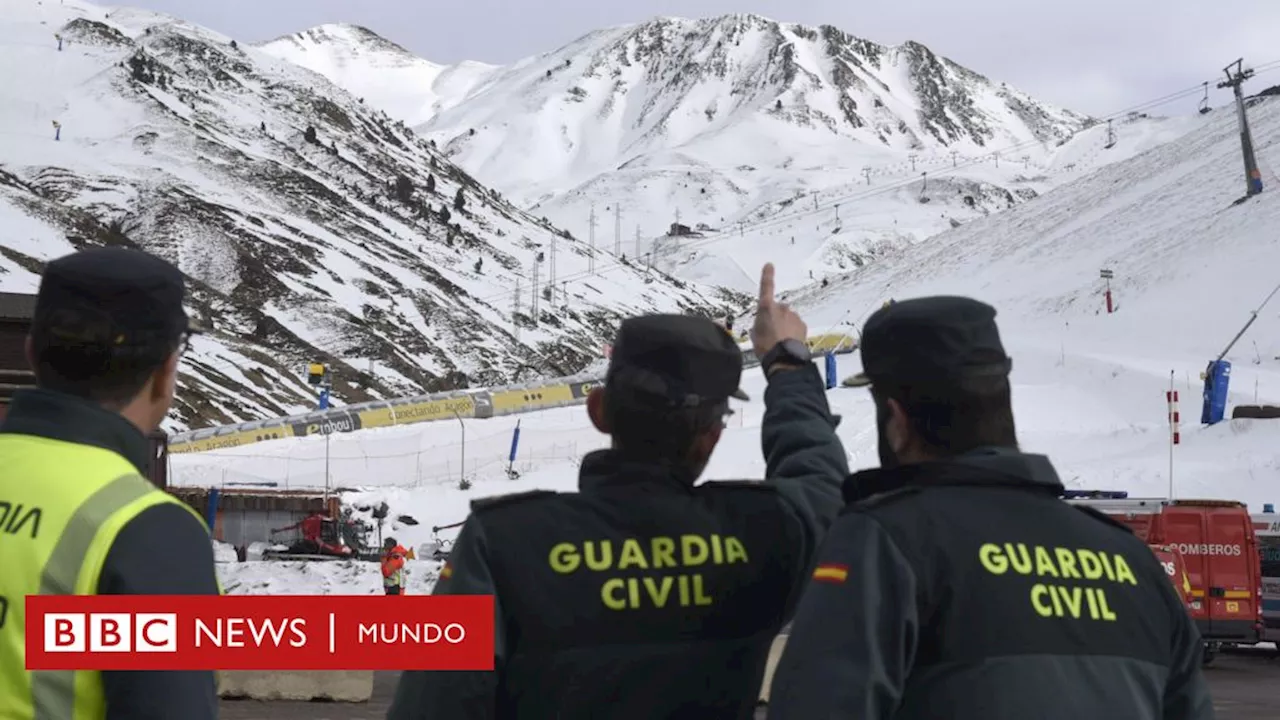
{"type": "Point", "coordinates": [379, 71]}
{"type": "Point", "coordinates": [298, 250]}
{"type": "Point", "coordinates": [1089, 388]}
{"type": "Point", "coordinates": [838, 226]}
{"type": "Point", "coordinates": [1189, 266]}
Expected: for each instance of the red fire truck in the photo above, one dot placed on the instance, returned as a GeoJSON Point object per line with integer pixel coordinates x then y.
{"type": "Point", "coordinates": [1219, 548]}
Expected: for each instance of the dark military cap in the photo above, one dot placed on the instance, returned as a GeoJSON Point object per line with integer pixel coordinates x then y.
{"type": "Point", "coordinates": [684, 359]}
{"type": "Point", "coordinates": [930, 340]}
{"type": "Point", "coordinates": [112, 298]}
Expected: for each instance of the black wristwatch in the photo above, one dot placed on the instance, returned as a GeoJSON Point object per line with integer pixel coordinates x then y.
{"type": "Point", "coordinates": [787, 352]}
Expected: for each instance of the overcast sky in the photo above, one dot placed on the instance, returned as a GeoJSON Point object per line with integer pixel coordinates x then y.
{"type": "Point", "coordinates": [1095, 56]}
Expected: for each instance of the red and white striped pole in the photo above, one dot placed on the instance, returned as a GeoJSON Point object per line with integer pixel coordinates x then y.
{"type": "Point", "coordinates": [1175, 437]}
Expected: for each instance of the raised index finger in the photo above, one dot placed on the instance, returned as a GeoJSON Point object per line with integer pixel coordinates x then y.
{"type": "Point", "coordinates": [766, 285]}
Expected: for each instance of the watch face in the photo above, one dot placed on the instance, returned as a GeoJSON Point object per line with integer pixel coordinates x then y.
{"type": "Point", "coordinates": [797, 349]}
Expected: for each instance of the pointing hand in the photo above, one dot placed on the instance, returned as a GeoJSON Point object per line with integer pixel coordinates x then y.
{"type": "Point", "coordinates": [774, 321]}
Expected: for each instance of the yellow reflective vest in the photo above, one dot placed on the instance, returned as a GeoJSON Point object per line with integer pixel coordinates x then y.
{"type": "Point", "coordinates": [61, 506]}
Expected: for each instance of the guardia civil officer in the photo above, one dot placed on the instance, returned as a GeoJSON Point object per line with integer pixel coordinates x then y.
{"type": "Point", "coordinates": [105, 341]}
{"type": "Point", "coordinates": [642, 595]}
{"type": "Point", "coordinates": [956, 583]}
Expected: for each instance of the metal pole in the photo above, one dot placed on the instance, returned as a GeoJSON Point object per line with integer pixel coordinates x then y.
{"type": "Point", "coordinates": [1252, 178]}
{"type": "Point", "coordinates": [326, 427]}
{"type": "Point", "coordinates": [462, 461]}
{"type": "Point", "coordinates": [1252, 318]}
{"type": "Point", "coordinates": [1171, 432]}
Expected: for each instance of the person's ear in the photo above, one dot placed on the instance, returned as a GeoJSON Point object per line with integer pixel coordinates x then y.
{"type": "Point", "coordinates": [898, 429]}
{"type": "Point", "coordinates": [706, 442]}
{"type": "Point", "coordinates": [165, 380]}
{"type": "Point", "coordinates": [595, 410]}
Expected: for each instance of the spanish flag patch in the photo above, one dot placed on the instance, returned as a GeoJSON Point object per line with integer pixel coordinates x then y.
{"type": "Point", "coordinates": [831, 572]}
{"type": "Point", "coordinates": [446, 571]}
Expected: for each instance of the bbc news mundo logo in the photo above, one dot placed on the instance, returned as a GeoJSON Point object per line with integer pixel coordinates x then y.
{"type": "Point", "coordinates": [279, 632]}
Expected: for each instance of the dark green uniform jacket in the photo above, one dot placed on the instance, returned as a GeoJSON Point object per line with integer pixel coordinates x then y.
{"type": "Point", "coordinates": [970, 591]}
{"type": "Point", "coordinates": [640, 596]}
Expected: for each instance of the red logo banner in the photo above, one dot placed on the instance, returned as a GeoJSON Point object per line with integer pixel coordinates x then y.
{"type": "Point", "coordinates": [259, 632]}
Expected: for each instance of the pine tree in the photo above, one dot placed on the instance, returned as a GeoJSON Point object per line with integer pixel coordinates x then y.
{"type": "Point", "coordinates": [404, 189]}
{"type": "Point", "coordinates": [459, 201]}
{"type": "Point", "coordinates": [431, 183]}
{"type": "Point", "coordinates": [444, 213]}
{"type": "Point", "coordinates": [310, 134]}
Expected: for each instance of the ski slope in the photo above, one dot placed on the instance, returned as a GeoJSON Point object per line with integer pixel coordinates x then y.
{"type": "Point", "coordinates": [1088, 388]}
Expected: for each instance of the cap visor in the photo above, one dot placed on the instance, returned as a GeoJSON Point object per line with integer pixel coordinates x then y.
{"type": "Point", "coordinates": [859, 380]}
{"type": "Point", "coordinates": [739, 395]}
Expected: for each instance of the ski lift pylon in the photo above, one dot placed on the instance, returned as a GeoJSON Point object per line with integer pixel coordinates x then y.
{"type": "Point", "coordinates": [1204, 103]}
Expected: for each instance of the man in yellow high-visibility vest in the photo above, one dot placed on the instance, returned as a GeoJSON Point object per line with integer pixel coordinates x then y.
{"type": "Point", "coordinates": [105, 342]}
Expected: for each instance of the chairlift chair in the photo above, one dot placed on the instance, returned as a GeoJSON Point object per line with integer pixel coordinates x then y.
{"type": "Point", "coordinates": [1204, 103]}
{"type": "Point", "coordinates": [924, 187]}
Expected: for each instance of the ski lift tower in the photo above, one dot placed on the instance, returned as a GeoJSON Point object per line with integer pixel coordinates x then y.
{"type": "Point", "coordinates": [1252, 176]}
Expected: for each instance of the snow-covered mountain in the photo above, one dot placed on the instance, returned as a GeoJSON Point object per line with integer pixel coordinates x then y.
{"type": "Point", "coordinates": [723, 123]}
{"type": "Point", "coordinates": [313, 227]}
{"type": "Point", "coordinates": [379, 71]}
{"type": "Point", "coordinates": [725, 92]}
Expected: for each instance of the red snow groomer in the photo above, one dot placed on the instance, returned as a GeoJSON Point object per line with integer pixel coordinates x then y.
{"type": "Point", "coordinates": [320, 539]}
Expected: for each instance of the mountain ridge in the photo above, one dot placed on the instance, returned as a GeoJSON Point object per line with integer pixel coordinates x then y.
{"type": "Point", "coordinates": [378, 69]}
{"type": "Point", "coordinates": [713, 122]}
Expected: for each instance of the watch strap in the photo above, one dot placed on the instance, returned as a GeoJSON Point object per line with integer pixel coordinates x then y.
{"type": "Point", "coordinates": [785, 353]}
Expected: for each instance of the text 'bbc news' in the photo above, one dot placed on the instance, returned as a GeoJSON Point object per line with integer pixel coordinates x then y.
{"type": "Point", "coordinates": [259, 633]}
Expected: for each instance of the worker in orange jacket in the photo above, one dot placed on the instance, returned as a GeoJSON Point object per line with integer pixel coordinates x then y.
{"type": "Point", "coordinates": [393, 556]}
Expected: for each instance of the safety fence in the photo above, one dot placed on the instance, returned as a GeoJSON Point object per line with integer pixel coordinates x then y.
{"type": "Point", "coordinates": [455, 405]}
{"type": "Point", "coordinates": [444, 456]}
{"type": "Point", "coordinates": [351, 467]}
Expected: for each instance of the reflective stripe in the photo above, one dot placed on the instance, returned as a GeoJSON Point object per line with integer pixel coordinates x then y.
{"type": "Point", "coordinates": [53, 692]}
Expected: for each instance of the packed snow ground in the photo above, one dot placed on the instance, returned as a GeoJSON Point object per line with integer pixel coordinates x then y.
{"type": "Point", "coordinates": [1100, 419]}
{"type": "Point", "coordinates": [1089, 388]}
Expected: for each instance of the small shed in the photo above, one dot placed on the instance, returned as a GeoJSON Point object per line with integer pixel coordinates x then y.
{"type": "Point", "coordinates": [240, 516]}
